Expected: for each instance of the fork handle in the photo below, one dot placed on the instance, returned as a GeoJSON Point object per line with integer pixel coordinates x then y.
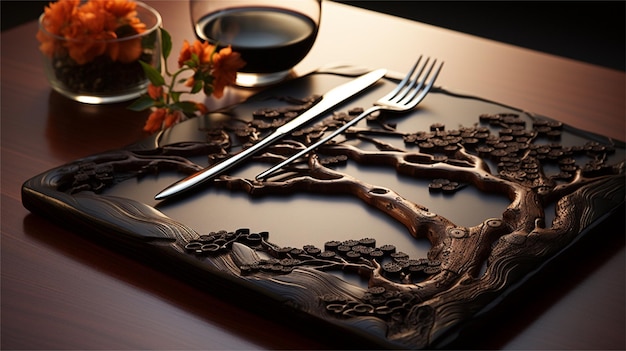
{"type": "Point", "coordinates": [313, 146]}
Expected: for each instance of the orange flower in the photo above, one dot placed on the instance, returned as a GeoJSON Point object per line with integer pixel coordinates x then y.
{"type": "Point", "coordinates": [211, 70]}
{"type": "Point", "coordinates": [173, 117]}
{"type": "Point", "coordinates": [185, 54]}
{"type": "Point", "coordinates": [128, 50]}
{"type": "Point", "coordinates": [223, 65]}
{"type": "Point", "coordinates": [155, 120]}
{"type": "Point", "coordinates": [120, 8]}
{"type": "Point", "coordinates": [162, 118]}
{"type": "Point", "coordinates": [125, 14]}
{"type": "Point", "coordinates": [58, 15]}
{"type": "Point", "coordinates": [91, 19]}
{"type": "Point", "coordinates": [226, 63]}
{"type": "Point", "coordinates": [84, 48]}
{"type": "Point", "coordinates": [155, 92]}
{"type": "Point", "coordinates": [202, 50]}
{"type": "Point", "coordinates": [86, 27]}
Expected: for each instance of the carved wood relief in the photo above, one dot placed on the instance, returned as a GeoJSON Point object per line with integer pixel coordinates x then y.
{"type": "Point", "coordinates": [408, 302]}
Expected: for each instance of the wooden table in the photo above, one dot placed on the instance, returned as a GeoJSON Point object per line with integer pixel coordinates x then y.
{"type": "Point", "coordinates": [60, 291]}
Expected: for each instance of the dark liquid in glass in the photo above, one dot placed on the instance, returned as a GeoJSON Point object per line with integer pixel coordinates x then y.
{"type": "Point", "coordinates": [268, 39]}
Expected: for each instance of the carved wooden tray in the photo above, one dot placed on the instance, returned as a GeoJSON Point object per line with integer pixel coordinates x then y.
{"type": "Point", "coordinates": [398, 235]}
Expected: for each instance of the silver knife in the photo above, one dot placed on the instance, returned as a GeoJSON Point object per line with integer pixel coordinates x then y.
{"type": "Point", "coordinates": [329, 100]}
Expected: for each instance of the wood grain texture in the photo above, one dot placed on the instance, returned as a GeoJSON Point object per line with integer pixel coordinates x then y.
{"type": "Point", "coordinates": [56, 285]}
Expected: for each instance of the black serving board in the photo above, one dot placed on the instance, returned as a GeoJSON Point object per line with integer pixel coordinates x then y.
{"type": "Point", "coordinates": [369, 245]}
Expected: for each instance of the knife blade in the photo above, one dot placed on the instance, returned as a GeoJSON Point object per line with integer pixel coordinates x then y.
{"type": "Point", "coordinates": [332, 98]}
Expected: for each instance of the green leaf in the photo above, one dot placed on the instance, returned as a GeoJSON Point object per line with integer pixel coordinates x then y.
{"type": "Point", "coordinates": [186, 106]}
{"type": "Point", "coordinates": [175, 95]}
{"type": "Point", "coordinates": [208, 89]}
{"type": "Point", "coordinates": [197, 87]}
{"type": "Point", "coordinates": [143, 103]}
{"type": "Point", "coordinates": [196, 59]}
{"type": "Point", "coordinates": [166, 43]}
{"type": "Point", "coordinates": [153, 74]}
{"type": "Point", "coordinates": [190, 63]}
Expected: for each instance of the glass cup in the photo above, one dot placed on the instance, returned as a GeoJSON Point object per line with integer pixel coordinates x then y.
{"type": "Point", "coordinates": [272, 36]}
{"type": "Point", "coordinates": [99, 71]}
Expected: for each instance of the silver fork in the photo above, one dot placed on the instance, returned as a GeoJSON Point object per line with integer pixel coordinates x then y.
{"type": "Point", "coordinates": [409, 92]}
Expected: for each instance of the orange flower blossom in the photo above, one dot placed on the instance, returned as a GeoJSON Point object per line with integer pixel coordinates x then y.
{"type": "Point", "coordinates": [210, 71]}
{"type": "Point", "coordinates": [85, 30]}
{"type": "Point", "coordinates": [222, 65]}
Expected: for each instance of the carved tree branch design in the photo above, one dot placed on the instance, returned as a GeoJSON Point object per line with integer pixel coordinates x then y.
{"type": "Point", "coordinates": [512, 245]}
{"type": "Point", "coordinates": [419, 299]}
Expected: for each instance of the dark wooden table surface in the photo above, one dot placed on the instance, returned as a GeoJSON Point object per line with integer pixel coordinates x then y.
{"type": "Point", "coordinates": [60, 291]}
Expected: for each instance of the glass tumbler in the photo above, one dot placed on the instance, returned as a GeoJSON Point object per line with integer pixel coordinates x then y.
{"type": "Point", "coordinates": [100, 69]}
{"type": "Point", "coordinates": [272, 36]}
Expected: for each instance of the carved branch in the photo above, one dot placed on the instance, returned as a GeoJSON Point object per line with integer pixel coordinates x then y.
{"type": "Point", "coordinates": [472, 264]}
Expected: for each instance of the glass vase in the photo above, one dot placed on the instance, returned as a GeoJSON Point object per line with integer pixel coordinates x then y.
{"type": "Point", "coordinates": [100, 71]}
